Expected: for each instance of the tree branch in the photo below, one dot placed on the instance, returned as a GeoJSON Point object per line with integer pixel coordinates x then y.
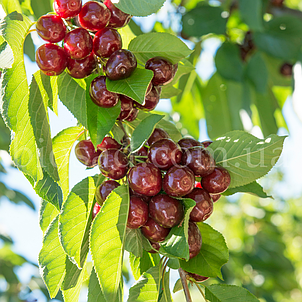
{"type": "Point", "coordinates": [184, 283]}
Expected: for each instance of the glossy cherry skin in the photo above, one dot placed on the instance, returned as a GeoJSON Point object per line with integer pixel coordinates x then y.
{"type": "Point", "coordinates": [204, 205]}
{"type": "Point", "coordinates": [120, 65]}
{"type": "Point", "coordinates": [113, 164]}
{"type": "Point", "coordinates": [164, 154]}
{"type": "Point", "coordinates": [100, 95]}
{"type": "Point", "coordinates": [199, 160]}
{"type": "Point", "coordinates": [178, 181]}
{"type": "Point", "coordinates": [108, 143]}
{"type": "Point", "coordinates": [196, 278]}
{"type": "Point", "coordinates": [206, 144]}
{"type": "Point", "coordinates": [143, 151]}
{"type": "Point", "coordinates": [138, 213]}
{"type": "Point", "coordinates": [194, 239]}
{"type": "Point", "coordinates": [80, 69]}
{"type": "Point", "coordinates": [187, 142]}
{"type": "Point", "coordinates": [215, 197]}
{"type": "Point", "coordinates": [106, 41]}
{"type": "Point", "coordinates": [155, 246]}
{"type": "Point", "coordinates": [67, 8]}
{"type": "Point", "coordinates": [118, 18]}
{"type": "Point", "coordinates": [94, 16]}
{"type": "Point", "coordinates": [133, 115]}
{"type": "Point", "coordinates": [166, 211]}
{"type": "Point", "coordinates": [145, 179]}
{"type": "Point", "coordinates": [86, 153]}
{"type": "Point", "coordinates": [162, 69]}
{"type": "Point", "coordinates": [51, 28]}
{"type": "Point", "coordinates": [217, 182]}
{"type": "Point", "coordinates": [154, 232]}
{"type": "Point", "coordinates": [157, 135]}
{"type": "Point", "coordinates": [104, 190]}
{"type": "Point", "coordinates": [95, 210]}
{"type": "Point", "coordinates": [78, 43]}
{"type": "Point", "coordinates": [151, 99]}
{"type": "Point", "coordinates": [126, 107]}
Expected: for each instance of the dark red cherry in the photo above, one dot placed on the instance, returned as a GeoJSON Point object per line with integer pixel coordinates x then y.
{"type": "Point", "coordinates": [196, 278]}
{"type": "Point", "coordinates": [162, 69]}
{"type": "Point", "coordinates": [100, 95]}
{"type": "Point", "coordinates": [187, 142]}
{"type": "Point", "coordinates": [154, 232]}
{"type": "Point", "coordinates": [155, 246]}
{"type": "Point", "coordinates": [120, 65]}
{"type": "Point", "coordinates": [67, 8]}
{"type": "Point", "coordinates": [145, 179]}
{"type": "Point", "coordinates": [104, 190]}
{"type": "Point", "coordinates": [286, 69]}
{"type": "Point", "coordinates": [178, 181]}
{"type": "Point", "coordinates": [164, 154]}
{"type": "Point", "coordinates": [199, 160]}
{"type": "Point", "coordinates": [78, 43]}
{"type": "Point", "coordinates": [80, 69]}
{"type": "Point", "coordinates": [138, 213]}
{"type": "Point", "coordinates": [143, 151]}
{"type": "Point", "coordinates": [96, 209]}
{"type": "Point", "coordinates": [113, 164]}
{"type": "Point", "coordinates": [51, 28]}
{"type": "Point", "coordinates": [51, 59]}
{"type": "Point", "coordinates": [151, 99]}
{"type": "Point", "coordinates": [204, 205]}
{"type": "Point", "coordinates": [86, 153]}
{"type": "Point", "coordinates": [278, 3]}
{"type": "Point", "coordinates": [206, 144]}
{"type": "Point", "coordinates": [194, 239]}
{"type": "Point", "coordinates": [217, 182]}
{"type": "Point", "coordinates": [126, 107]}
{"type": "Point", "coordinates": [166, 211]}
{"type": "Point", "coordinates": [108, 143]}
{"type": "Point", "coordinates": [157, 135]}
{"type": "Point", "coordinates": [118, 18]}
{"type": "Point", "coordinates": [215, 197]}
{"type": "Point", "coordinates": [133, 115]}
{"type": "Point", "coordinates": [94, 16]}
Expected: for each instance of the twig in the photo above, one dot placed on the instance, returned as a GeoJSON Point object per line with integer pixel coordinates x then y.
{"type": "Point", "coordinates": [184, 283]}
{"type": "Point", "coordinates": [199, 288]}
{"type": "Point", "coordinates": [126, 136]}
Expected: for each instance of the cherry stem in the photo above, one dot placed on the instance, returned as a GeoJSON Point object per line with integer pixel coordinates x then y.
{"type": "Point", "coordinates": [126, 136]}
{"type": "Point", "coordinates": [184, 283]}
{"type": "Point", "coordinates": [202, 293]}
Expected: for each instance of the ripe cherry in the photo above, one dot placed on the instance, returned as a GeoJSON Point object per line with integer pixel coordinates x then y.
{"type": "Point", "coordinates": [278, 3]}
{"type": "Point", "coordinates": [157, 135]}
{"type": "Point", "coordinates": [104, 190]}
{"type": "Point", "coordinates": [133, 115]}
{"type": "Point", "coordinates": [206, 144]}
{"type": "Point", "coordinates": [187, 142]}
{"type": "Point", "coordinates": [215, 197]}
{"type": "Point", "coordinates": [154, 232]}
{"type": "Point", "coordinates": [204, 205]}
{"type": "Point", "coordinates": [138, 213]}
{"type": "Point", "coordinates": [80, 69]}
{"type": "Point", "coordinates": [120, 65]}
{"type": "Point", "coordinates": [100, 95]}
{"type": "Point", "coordinates": [166, 211]}
{"type": "Point", "coordinates": [217, 182]}
{"type": "Point", "coordinates": [118, 18]}
{"type": "Point", "coordinates": [86, 153]}
{"type": "Point", "coordinates": [145, 179]}
{"type": "Point", "coordinates": [108, 143]}
{"type": "Point", "coordinates": [51, 59]}
{"type": "Point", "coordinates": [96, 209]}
{"type": "Point", "coordinates": [151, 99]}
{"type": "Point", "coordinates": [113, 164]}
{"type": "Point", "coordinates": [143, 151]}
{"type": "Point", "coordinates": [155, 246]}
{"type": "Point", "coordinates": [67, 8]}
{"type": "Point", "coordinates": [126, 107]}
{"type": "Point", "coordinates": [51, 28]}
{"type": "Point", "coordinates": [286, 69]}
{"type": "Point", "coordinates": [196, 278]}
{"type": "Point", "coordinates": [178, 181]}
{"type": "Point", "coordinates": [194, 239]}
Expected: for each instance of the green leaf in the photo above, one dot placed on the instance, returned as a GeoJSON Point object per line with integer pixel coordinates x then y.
{"type": "Point", "coordinates": [41, 8]}
{"type": "Point", "coordinates": [47, 214]}
{"type": "Point", "coordinates": [228, 293]}
{"type": "Point", "coordinates": [107, 241]}
{"type": "Point", "coordinates": [184, 67]}
{"type": "Point", "coordinates": [203, 20]}
{"type": "Point", "coordinates": [139, 8]}
{"type": "Point", "coordinates": [169, 91]}
{"type": "Point", "coordinates": [252, 188]}
{"type": "Point", "coordinates": [213, 254]}
{"type": "Point", "coordinates": [164, 45]}
{"type": "Point", "coordinates": [11, 6]}
{"type": "Point", "coordinates": [251, 13]}
{"type": "Point", "coordinates": [134, 242]}
{"type": "Point", "coordinates": [95, 293]}
{"type": "Point", "coordinates": [52, 259]}
{"type": "Point", "coordinates": [29, 48]}
{"type": "Point", "coordinates": [7, 56]}
{"type": "Point", "coordinates": [134, 87]}
{"type": "Point", "coordinates": [173, 263]}
{"type": "Point", "coordinates": [176, 243]}
{"type": "Point", "coordinates": [143, 131]}
{"type": "Point", "coordinates": [165, 290]}
{"type": "Point", "coordinates": [177, 286]}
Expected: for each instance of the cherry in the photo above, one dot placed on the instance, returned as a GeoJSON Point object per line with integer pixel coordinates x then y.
{"type": "Point", "coordinates": [120, 65]}
{"type": "Point", "coordinates": [145, 179]}
{"type": "Point", "coordinates": [108, 143]}
{"type": "Point", "coordinates": [217, 182]}
{"type": "Point", "coordinates": [143, 197]}
{"type": "Point", "coordinates": [67, 8]}
{"type": "Point", "coordinates": [80, 69]}
{"type": "Point", "coordinates": [278, 3]}
{"type": "Point", "coordinates": [162, 69]}
{"type": "Point", "coordinates": [138, 213]}
{"type": "Point", "coordinates": [286, 69]}
{"type": "Point", "coordinates": [206, 144]}
{"type": "Point", "coordinates": [143, 151]}
{"type": "Point", "coordinates": [157, 135]}
{"type": "Point", "coordinates": [164, 154]}
{"type": "Point", "coordinates": [187, 142]}
{"type": "Point", "coordinates": [133, 115]}
{"type": "Point", "coordinates": [51, 28]}
{"type": "Point", "coordinates": [196, 278]}
{"type": "Point", "coordinates": [126, 107]}
{"type": "Point", "coordinates": [106, 41]}
{"type": "Point", "coordinates": [166, 211]}
{"type": "Point", "coordinates": [78, 43]}
{"type": "Point", "coordinates": [86, 153]}
{"type": "Point", "coordinates": [94, 16]}
{"type": "Point", "coordinates": [104, 190]}
{"type": "Point", "coordinates": [194, 239]}
{"type": "Point", "coordinates": [113, 164]}
{"type": "Point", "coordinates": [151, 99]}
{"type": "Point", "coordinates": [215, 197]}
{"type": "Point", "coordinates": [199, 160]}
{"type": "Point", "coordinates": [204, 205]}
{"type": "Point", "coordinates": [178, 181]}
{"type": "Point", "coordinates": [51, 59]}
{"type": "Point", "coordinates": [155, 246]}
{"type": "Point", "coordinates": [95, 210]}
{"type": "Point", "coordinates": [118, 18]}
{"type": "Point", "coordinates": [154, 232]}
{"type": "Point", "coordinates": [100, 95]}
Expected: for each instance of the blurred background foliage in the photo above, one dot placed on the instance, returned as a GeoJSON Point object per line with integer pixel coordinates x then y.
{"type": "Point", "coordinates": [253, 46]}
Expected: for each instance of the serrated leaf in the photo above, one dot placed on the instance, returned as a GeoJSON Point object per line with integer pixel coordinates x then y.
{"type": "Point", "coordinates": [29, 48]}
{"type": "Point", "coordinates": [75, 220]}
{"type": "Point", "coordinates": [47, 214]}
{"type": "Point", "coordinates": [95, 293]}
{"type": "Point", "coordinates": [252, 188]}
{"type": "Point", "coordinates": [107, 241]}
{"type": "Point", "coordinates": [52, 259]}
{"type": "Point", "coordinates": [213, 254]}
{"type": "Point", "coordinates": [134, 242]}
{"type": "Point", "coordinates": [169, 91]}
{"type": "Point", "coordinates": [6, 55]}
{"type": "Point", "coordinates": [246, 157]}
{"type": "Point", "coordinates": [176, 243]}
{"type": "Point", "coordinates": [251, 13]}
{"type": "Point", "coordinates": [228, 293]}
{"type": "Point", "coordinates": [177, 286]}
{"type": "Point", "coordinates": [165, 45]}
{"type": "Point", "coordinates": [165, 290]}
{"type": "Point", "coordinates": [135, 87]}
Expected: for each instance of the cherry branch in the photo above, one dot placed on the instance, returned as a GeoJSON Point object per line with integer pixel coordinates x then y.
{"type": "Point", "coordinates": [184, 283]}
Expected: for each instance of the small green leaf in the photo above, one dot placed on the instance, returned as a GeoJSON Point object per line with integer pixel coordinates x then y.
{"type": "Point", "coordinates": [47, 214]}
{"type": "Point", "coordinates": [164, 45]}
{"type": "Point", "coordinates": [251, 13]}
{"type": "Point", "coordinates": [7, 56]}
{"type": "Point", "coordinates": [252, 188]}
{"type": "Point", "coordinates": [41, 8]}
{"type": "Point", "coordinates": [134, 242]}
{"type": "Point", "coordinates": [177, 286]}
{"type": "Point", "coordinates": [173, 263]}
{"type": "Point", "coordinates": [95, 293]}
{"type": "Point", "coordinates": [169, 91]}
{"type": "Point", "coordinates": [29, 48]}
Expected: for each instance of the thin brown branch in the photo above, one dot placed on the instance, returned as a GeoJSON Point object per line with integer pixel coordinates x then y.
{"type": "Point", "coordinates": [184, 283]}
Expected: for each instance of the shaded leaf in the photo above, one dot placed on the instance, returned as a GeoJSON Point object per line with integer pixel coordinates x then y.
{"type": "Point", "coordinates": [251, 12]}
{"type": "Point", "coordinates": [95, 293]}
{"type": "Point", "coordinates": [134, 242]}
{"type": "Point", "coordinates": [252, 188]}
